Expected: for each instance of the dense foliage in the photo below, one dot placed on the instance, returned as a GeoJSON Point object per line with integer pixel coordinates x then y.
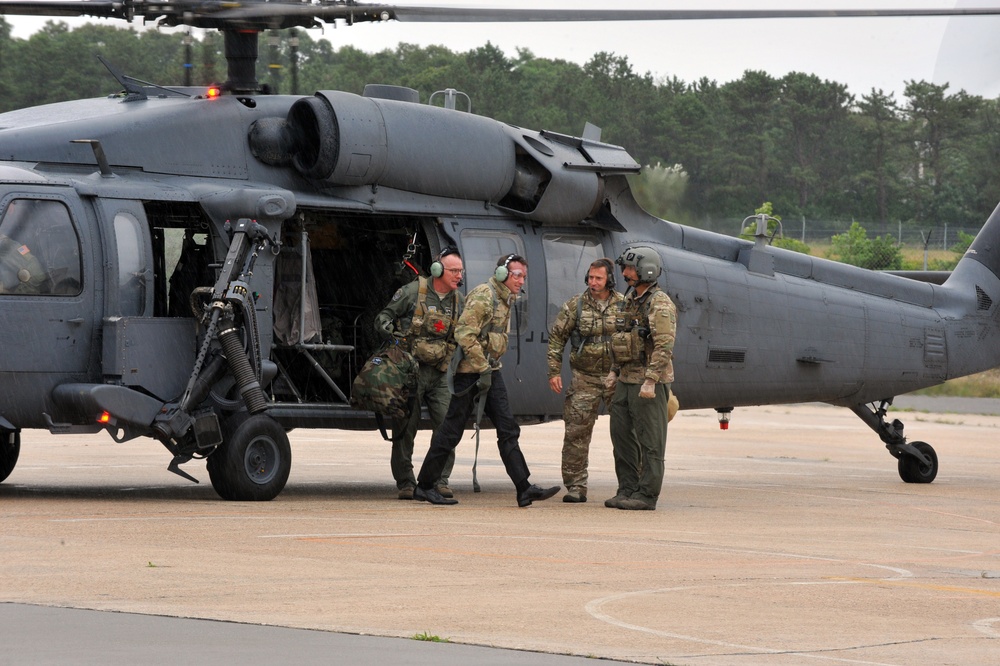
{"type": "Point", "coordinates": [806, 145]}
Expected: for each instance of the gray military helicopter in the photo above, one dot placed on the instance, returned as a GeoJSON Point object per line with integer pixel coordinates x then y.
{"type": "Point", "coordinates": [202, 266]}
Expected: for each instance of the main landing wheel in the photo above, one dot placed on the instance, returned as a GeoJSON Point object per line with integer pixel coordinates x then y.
{"type": "Point", "coordinates": [253, 461]}
{"type": "Point", "coordinates": [912, 470]}
{"type": "Point", "coordinates": [10, 449]}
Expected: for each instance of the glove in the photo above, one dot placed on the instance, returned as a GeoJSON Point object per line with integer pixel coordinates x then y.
{"type": "Point", "coordinates": [648, 389]}
{"type": "Point", "coordinates": [610, 380]}
{"type": "Point", "coordinates": [485, 381]}
{"type": "Point", "coordinates": [385, 329]}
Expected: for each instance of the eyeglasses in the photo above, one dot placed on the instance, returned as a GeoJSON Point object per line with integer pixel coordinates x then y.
{"type": "Point", "coordinates": [518, 275]}
{"type": "Point", "coordinates": [455, 271]}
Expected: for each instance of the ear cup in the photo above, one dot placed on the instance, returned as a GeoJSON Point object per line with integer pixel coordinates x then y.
{"type": "Point", "coordinates": [437, 269]}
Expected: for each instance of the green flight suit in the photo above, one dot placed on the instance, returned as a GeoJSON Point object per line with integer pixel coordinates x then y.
{"type": "Point", "coordinates": [429, 336]}
{"type": "Point", "coordinates": [643, 348]}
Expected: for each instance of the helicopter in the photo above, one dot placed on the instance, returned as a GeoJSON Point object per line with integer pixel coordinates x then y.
{"type": "Point", "coordinates": [202, 265]}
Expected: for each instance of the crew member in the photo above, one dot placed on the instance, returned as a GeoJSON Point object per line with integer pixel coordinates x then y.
{"type": "Point", "coordinates": [424, 313]}
{"type": "Point", "coordinates": [642, 345]}
{"type": "Point", "coordinates": [482, 337]}
{"type": "Point", "coordinates": [20, 271]}
{"type": "Point", "coordinates": [586, 321]}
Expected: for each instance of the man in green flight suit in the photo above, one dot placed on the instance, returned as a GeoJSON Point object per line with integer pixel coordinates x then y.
{"type": "Point", "coordinates": [642, 345]}
{"type": "Point", "coordinates": [424, 313]}
{"type": "Point", "coordinates": [586, 321]}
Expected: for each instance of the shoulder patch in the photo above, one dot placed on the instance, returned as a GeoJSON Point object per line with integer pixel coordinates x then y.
{"type": "Point", "coordinates": [398, 295]}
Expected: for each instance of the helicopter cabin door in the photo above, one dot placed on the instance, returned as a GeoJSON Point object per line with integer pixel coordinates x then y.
{"type": "Point", "coordinates": [48, 288]}
{"type": "Point", "coordinates": [139, 350]}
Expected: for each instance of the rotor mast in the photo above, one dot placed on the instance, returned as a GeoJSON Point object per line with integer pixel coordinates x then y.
{"type": "Point", "coordinates": [241, 49]}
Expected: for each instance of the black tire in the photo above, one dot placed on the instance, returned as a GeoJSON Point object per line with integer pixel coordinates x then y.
{"type": "Point", "coordinates": [253, 461]}
{"type": "Point", "coordinates": [912, 470]}
{"type": "Point", "coordinates": [10, 449]}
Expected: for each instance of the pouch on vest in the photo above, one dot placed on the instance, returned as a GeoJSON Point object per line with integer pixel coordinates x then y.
{"type": "Point", "coordinates": [623, 347]}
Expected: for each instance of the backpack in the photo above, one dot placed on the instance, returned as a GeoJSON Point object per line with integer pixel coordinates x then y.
{"type": "Point", "coordinates": [386, 383]}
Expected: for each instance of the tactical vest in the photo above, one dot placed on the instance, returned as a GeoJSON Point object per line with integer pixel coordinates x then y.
{"type": "Point", "coordinates": [578, 337]}
{"type": "Point", "coordinates": [430, 333]}
{"type": "Point", "coordinates": [631, 337]}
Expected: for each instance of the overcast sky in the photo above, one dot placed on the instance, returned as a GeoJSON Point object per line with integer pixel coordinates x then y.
{"type": "Point", "coordinates": [864, 53]}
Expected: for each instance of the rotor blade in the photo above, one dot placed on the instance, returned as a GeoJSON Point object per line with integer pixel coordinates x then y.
{"type": "Point", "coordinates": [277, 14]}
{"type": "Point", "coordinates": [98, 8]}
{"type": "Point", "coordinates": [446, 14]}
{"type": "Point", "coordinates": [442, 14]}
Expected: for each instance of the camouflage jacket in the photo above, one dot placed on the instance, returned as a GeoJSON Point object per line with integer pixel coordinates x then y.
{"type": "Point", "coordinates": [483, 326]}
{"type": "Point", "coordinates": [589, 338]}
{"type": "Point", "coordinates": [643, 342]}
{"type": "Point", "coordinates": [427, 325]}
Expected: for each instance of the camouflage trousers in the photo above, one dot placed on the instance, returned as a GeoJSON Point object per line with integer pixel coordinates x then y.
{"type": "Point", "coordinates": [432, 390]}
{"type": "Point", "coordinates": [583, 401]}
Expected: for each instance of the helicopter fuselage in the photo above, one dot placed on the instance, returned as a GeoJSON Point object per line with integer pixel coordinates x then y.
{"type": "Point", "coordinates": [131, 209]}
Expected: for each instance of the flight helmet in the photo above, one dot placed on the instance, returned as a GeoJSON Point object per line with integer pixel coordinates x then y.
{"type": "Point", "coordinates": [646, 260]}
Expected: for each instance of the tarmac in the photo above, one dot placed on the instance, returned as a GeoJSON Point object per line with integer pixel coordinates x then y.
{"type": "Point", "coordinates": [787, 539]}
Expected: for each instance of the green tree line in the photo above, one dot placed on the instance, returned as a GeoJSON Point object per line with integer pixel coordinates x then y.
{"type": "Point", "coordinates": [927, 158]}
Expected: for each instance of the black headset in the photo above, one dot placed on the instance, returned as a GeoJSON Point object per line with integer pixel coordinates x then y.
{"type": "Point", "coordinates": [437, 268]}
{"type": "Point", "coordinates": [606, 264]}
{"type": "Point", "coordinates": [501, 272]}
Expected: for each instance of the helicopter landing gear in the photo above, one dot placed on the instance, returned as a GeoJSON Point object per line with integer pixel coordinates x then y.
{"type": "Point", "coordinates": [913, 470]}
{"type": "Point", "coordinates": [918, 462]}
{"type": "Point", "coordinates": [10, 449]}
{"type": "Point", "coordinates": [253, 461]}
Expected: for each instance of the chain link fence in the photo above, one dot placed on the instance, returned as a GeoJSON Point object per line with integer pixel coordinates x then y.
{"type": "Point", "coordinates": [941, 237]}
{"type": "Point", "coordinates": [870, 245]}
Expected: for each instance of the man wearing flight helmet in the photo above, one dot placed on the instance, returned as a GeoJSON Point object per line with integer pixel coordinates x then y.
{"type": "Point", "coordinates": [642, 345]}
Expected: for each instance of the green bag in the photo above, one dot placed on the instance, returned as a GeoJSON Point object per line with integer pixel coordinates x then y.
{"type": "Point", "coordinates": [386, 383]}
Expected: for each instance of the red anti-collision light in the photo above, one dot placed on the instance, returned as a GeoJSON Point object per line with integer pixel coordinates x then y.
{"type": "Point", "coordinates": [105, 417]}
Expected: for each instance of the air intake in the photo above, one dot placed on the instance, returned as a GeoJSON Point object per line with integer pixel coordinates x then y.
{"type": "Point", "coordinates": [722, 357]}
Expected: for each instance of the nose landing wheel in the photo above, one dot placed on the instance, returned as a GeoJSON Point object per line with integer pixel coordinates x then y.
{"type": "Point", "coordinates": [253, 461]}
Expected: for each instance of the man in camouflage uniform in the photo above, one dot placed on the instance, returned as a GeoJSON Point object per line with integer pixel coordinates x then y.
{"type": "Point", "coordinates": [643, 345]}
{"type": "Point", "coordinates": [482, 336]}
{"type": "Point", "coordinates": [586, 321]}
{"type": "Point", "coordinates": [424, 313]}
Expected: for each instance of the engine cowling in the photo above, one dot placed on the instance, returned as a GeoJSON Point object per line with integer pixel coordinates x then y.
{"type": "Point", "coordinates": [343, 139]}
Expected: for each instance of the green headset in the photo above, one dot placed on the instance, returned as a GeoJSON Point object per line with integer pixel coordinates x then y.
{"type": "Point", "coordinates": [437, 268]}
{"type": "Point", "coordinates": [501, 272]}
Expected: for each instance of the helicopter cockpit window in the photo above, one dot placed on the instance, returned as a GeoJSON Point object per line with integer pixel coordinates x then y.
{"type": "Point", "coordinates": [39, 249]}
{"type": "Point", "coordinates": [567, 258]}
{"type": "Point", "coordinates": [131, 265]}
